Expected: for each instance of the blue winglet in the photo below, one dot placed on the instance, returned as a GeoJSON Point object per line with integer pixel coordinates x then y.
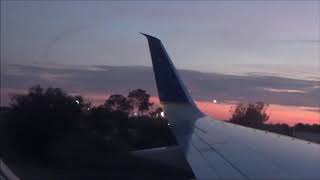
{"type": "Point", "coordinates": [169, 84]}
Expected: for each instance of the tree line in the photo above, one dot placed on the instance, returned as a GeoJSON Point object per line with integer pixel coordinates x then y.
{"type": "Point", "coordinates": [254, 115]}
{"type": "Point", "coordinates": [38, 121]}
{"type": "Point", "coordinates": [44, 117]}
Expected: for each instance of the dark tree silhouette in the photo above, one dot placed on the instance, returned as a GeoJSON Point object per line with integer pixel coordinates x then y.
{"type": "Point", "coordinates": [251, 114]}
{"type": "Point", "coordinates": [307, 127]}
{"type": "Point", "coordinates": [100, 121]}
{"type": "Point", "coordinates": [140, 100]}
{"type": "Point", "coordinates": [118, 102]}
{"type": "Point", "coordinates": [42, 116]}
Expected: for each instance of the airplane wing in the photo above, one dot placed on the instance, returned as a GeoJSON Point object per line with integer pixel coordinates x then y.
{"type": "Point", "coordinates": [221, 150]}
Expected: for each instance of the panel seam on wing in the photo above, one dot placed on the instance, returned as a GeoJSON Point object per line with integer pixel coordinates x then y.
{"type": "Point", "coordinates": [224, 158]}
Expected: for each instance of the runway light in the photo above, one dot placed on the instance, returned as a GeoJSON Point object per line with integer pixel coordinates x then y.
{"type": "Point", "coordinates": [215, 101]}
{"type": "Point", "coordinates": [162, 114]}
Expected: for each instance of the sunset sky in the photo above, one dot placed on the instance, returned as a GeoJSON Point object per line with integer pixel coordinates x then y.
{"type": "Point", "coordinates": [271, 47]}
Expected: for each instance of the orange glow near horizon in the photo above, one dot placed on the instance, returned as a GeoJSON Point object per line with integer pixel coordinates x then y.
{"type": "Point", "coordinates": [219, 111]}
{"type": "Point", "coordinates": [290, 115]}
{"type": "Point", "coordinates": [222, 111]}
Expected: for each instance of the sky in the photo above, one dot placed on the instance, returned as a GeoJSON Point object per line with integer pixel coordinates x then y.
{"type": "Point", "coordinates": [241, 38]}
{"type": "Point", "coordinates": [211, 36]}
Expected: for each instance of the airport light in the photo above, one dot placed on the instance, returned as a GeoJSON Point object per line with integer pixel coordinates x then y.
{"type": "Point", "coordinates": [162, 114]}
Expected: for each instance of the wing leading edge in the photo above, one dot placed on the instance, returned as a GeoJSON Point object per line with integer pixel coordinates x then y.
{"type": "Point", "coordinates": [220, 150]}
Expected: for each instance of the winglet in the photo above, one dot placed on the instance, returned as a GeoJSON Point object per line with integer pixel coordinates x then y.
{"type": "Point", "coordinates": [150, 38]}
{"type": "Point", "coordinates": [169, 84]}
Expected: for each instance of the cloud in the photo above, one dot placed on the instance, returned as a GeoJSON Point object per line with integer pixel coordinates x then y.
{"type": "Point", "coordinates": [103, 80]}
{"type": "Point", "coordinates": [284, 90]}
{"type": "Point", "coordinates": [308, 41]}
{"type": "Point", "coordinates": [313, 109]}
